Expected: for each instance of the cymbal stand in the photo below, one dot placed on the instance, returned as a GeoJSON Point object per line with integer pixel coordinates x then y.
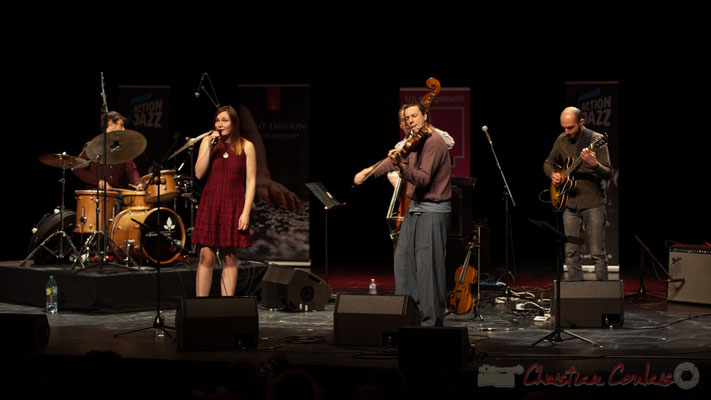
{"type": "Point", "coordinates": [189, 199]}
{"type": "Point", "coordinates": [60, 230]}
{"type": "Point", "coordinates": [158, 320]}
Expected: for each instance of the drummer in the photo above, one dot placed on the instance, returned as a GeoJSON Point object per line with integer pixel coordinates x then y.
{"type": "Point", "coordinates": [119, 175]}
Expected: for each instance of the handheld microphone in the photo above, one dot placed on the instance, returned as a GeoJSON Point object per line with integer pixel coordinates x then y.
{"type": "Point", "coordinates": [215, 139]}
{"type": "Point", "coordinates": [197, 91]}
{"type": "Point", "coordinates": [485, 129]}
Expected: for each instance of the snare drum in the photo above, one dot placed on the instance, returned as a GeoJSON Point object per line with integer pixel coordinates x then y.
{"type": "Point", "coordinates": [168, 188]}
{"type": "Point", "coordinates": [87, 204]}
{"type": "Point", "coordinates": [126, 234]}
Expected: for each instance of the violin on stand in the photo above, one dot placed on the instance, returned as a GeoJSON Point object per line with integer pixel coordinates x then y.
{"type": "Point", "coordinates": [460, 301]}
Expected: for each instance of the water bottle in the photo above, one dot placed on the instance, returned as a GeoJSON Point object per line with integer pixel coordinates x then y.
{"type": "Point", "coordinates": [372, 288]}
{"type": "Point", "coordinates": [51, 296]}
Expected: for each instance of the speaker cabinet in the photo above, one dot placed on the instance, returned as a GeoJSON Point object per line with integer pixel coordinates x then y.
{"type": "Point", "coordinates": [22, 334]}
{"type": "Point", "coordinates": [693, 265]}
{"type": "Point", "coordinates": [433, 348]}
{"type": "Point", "coordinates": [461, 222]}
{"type": "Point", "coordinates": [372, 320]}
{"type": "Point", "coordinates": [216, 323]}
{"type": "Point", "coordinates": [589, 304]}
{"type": "Point", "coordinates": [295, 289]}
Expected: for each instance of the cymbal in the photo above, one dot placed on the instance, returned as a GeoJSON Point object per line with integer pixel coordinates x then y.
{"type": "Point", "coordinates": [60, 160]}
{"type": "Point", "coordinates": [124, 145]}
{"type": "Point", "coordinates": [189, 143]}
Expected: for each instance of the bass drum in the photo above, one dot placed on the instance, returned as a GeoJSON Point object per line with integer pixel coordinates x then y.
{"type": "Point", "coordinates": [167, 246]}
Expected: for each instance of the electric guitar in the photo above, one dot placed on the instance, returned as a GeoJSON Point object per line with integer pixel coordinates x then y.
{"type": "Point", "coordinates": [561, 191]}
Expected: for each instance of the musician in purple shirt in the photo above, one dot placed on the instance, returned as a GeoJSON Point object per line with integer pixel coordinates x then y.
{"type": "Point", "coordinates": [419, 257]}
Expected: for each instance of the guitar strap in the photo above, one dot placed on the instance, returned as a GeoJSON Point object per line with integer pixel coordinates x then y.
{"type": "Point", "coordinates": [584, 141]}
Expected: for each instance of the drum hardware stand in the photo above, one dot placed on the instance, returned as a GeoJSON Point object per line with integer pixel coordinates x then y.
{"type": "Point", "coordinates": [158, 321]}
{"type": "Point", "coordinates": [560, 240]}
{"type": "Point", "coordinates": [60, 231]}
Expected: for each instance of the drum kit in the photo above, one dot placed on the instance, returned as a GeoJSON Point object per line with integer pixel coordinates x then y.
{"type": "Point", "coordinates": [135, 224]}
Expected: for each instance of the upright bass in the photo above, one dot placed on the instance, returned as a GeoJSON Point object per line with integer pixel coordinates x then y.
{"type": "Point", "coordinates": [394, 218]}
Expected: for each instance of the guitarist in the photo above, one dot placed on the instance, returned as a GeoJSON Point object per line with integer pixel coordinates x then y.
{"type": "Point", "coordinates": [584, 215]}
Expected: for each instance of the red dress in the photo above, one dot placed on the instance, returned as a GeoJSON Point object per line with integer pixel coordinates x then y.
{"type": "Point", "coordinates": [222, 201]}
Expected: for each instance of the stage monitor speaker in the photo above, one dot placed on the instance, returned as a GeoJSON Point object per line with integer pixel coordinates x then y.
{"type": "Point", "coordinates": [22, 334]}
{"type": "Point", "coordinates": [216, 323]}
{"type": "Point", "coordinates": [426, 348]}
{"type": "Point", "coordinates": [372, 320]}
{"type": "Point", "coordinates": [589, 304]}
{"type": "Point", "coordinates": [693, 265]}
{"type": "Point", "coordinates": [295, 289]}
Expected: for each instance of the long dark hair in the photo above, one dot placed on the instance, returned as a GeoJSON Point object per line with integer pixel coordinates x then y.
{"type": "Point", "coordinates": [235, 134]}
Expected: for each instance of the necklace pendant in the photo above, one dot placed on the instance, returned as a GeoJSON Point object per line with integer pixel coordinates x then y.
{"type": "Point", "coordinates": [225, 155]}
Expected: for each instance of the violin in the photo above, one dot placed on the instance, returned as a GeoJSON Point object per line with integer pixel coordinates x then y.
{"type": "Point", "coordinates": [459, 301]}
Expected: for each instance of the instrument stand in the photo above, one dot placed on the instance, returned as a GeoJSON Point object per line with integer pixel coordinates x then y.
{"type": "Point", "coordinates": [560, 239]}
{"type": "Point", "coordinates": [477, 313]}
{"type": "Point", "coordinates": [60, 231]}
{"type": "Point", "coordinates": [508, 200]}
{"type": "Point", "coordinates": [158, 320]}
{"type": "Point", "coordinates": [642, 292]}
{"type": "Point", "coordinates": [329, 203]}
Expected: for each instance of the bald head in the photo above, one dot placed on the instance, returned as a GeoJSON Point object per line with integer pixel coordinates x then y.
{"type": "Point", "coordinates": [572, 122]}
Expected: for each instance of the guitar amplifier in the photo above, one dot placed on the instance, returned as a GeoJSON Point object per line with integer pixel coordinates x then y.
{"type": "Point", "coordinates": [691, 264]}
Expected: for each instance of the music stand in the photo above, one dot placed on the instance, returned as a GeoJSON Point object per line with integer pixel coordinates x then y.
{"type": "Point", "coordinates": [329, 203]}
{"type": "Point", "coordinates": [560, 240]}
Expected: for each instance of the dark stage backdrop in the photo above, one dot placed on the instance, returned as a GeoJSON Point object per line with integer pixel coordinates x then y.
{"type": "Point", "coordinates": [516, 61]}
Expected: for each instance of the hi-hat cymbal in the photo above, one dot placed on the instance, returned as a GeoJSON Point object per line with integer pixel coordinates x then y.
{"type": "Point", "coordinates": [122, 146]}
{"type": "Point", "coordinates": [60, 160]}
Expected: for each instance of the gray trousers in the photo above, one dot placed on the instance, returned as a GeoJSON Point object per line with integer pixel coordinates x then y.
{"type": "Point", "coordinates": [590, 225]}
{"type": "Point", "coordinates": [419, 263]}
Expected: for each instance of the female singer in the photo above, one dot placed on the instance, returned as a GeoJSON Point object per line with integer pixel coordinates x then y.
{"type": "Point", "coordinates": [222, 222]}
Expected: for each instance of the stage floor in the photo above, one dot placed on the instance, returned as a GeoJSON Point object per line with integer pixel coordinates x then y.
{"type": "Point", "coordinates": [661, 349]}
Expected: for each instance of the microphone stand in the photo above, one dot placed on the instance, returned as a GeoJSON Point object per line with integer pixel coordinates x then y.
{"type": "Point", "coordinates": [215, 101]}
{"type": "Point", "coordinates": [508, 200]}
{"type": "Point", "coordinates": [158, 320]}
{"type": "Point", "coordinates": [641, 292]}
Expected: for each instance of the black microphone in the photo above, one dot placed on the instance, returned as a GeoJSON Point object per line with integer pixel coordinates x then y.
{"type": "Point", "coordinates": [215, 139]}
{"type": "Point", "coordinates": [485, 129]}
{"type": "Point", "coordinates": [197, 91]}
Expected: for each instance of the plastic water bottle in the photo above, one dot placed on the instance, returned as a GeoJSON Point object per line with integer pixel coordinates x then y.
{"type": "Point", "coordinates": [51, 296]}
{"type": "Point", "coordinates": [372, 289]}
